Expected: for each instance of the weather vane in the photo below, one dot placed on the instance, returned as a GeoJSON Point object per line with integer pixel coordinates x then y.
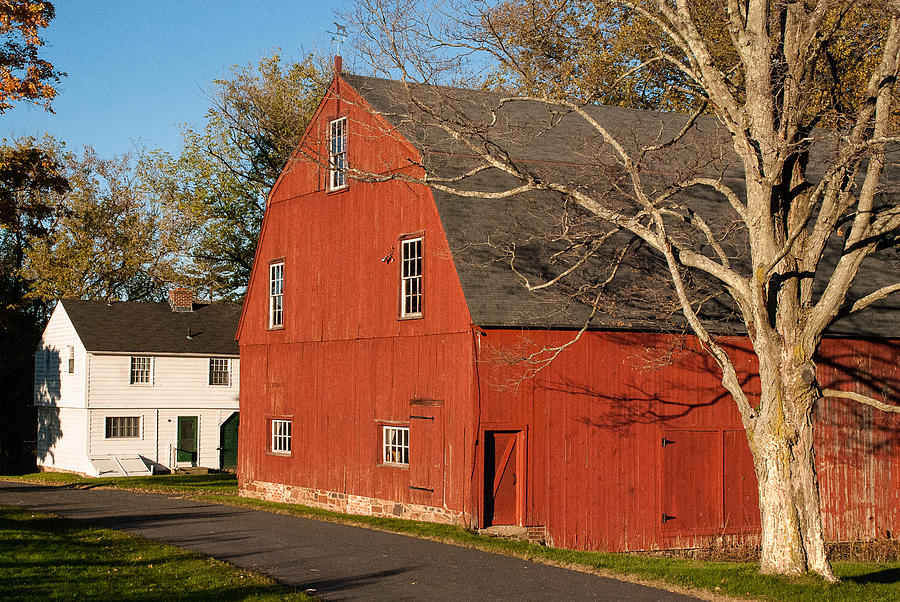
{"type": "Point", "coordinates": [338, 36]}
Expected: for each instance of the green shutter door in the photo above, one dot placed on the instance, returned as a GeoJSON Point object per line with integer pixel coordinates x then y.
{"type": "Point", "coordinates": [228, 442]}
{"type": "Point", "coordinates": [187, 440]}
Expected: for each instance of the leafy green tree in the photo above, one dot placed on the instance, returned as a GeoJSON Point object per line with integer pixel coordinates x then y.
{"type": "Point", "coordinates": [104, 240]}
{"type": "Point", "coordinates": [217, 187]}
{"type": "Point", "coordinates": [612, 53]}
{"type": "Point", "coordinates": [29, 175]}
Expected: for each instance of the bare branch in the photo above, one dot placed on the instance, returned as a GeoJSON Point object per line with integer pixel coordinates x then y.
{"type": "Point", "coordinates": [874, 296]}
{"type": "Point", "coordinates": [863, 399]}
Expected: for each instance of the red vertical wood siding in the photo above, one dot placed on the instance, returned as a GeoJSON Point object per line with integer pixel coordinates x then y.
{"type": "Point", "coordinates": [344, 363]}
{"type": "Point", "coordinates": [598, 476]}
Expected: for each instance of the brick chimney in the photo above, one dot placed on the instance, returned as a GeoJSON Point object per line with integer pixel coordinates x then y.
{"type": "Point", "coordinates": [181, 299]}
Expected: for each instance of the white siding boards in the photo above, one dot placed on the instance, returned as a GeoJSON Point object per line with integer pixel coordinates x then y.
{"type": "Point", "coordinates": [99, 419]}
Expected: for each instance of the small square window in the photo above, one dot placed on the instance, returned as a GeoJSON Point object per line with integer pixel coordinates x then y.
{"type": "Point", "coordinates": [395, 445]}
{"type": "Point", "coordinates": [141, 370]}
{"type": "Point", "coordinates": [337, 154]}
{"type": "Point", "coordinates": [219, 371]}
{"type": "Point", "coordinates": [276, 295]}
{"type": "Point", "coordinates": [123, 427]}
{"type": "Point", "coordinates": [411, 278]}
{"type": "Point", "coordinates": [281, 436]}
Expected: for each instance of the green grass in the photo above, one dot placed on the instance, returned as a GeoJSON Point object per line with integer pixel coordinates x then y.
{"type": "Point", "coordinates": [47, 558]}
{"type": "Point", "coordinates": [859, 581]}
{"type": "Point", "coordinates": [215, 483]}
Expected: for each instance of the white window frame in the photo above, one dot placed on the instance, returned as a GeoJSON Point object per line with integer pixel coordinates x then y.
{"type": "Point", "coordinates": [412, 262]}
{"type": "Point", "coordinates": [395, 445]}
{"type": "Point", "coordinates": [337, 154]}
{"type": "Point", "coordinates": [280, 437]}
{"type": "Point", "coordinates": [109, 427]}
{"type": "Point", "coordinates": [133, 371]}
{"type": "Point", "coordinates": [276, 295]}
{"type": "Point", "coordinates": [221, 362]}
{"type": "Point", "coordinates": [71, 366]}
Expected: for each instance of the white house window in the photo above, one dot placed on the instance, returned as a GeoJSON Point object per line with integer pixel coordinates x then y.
{"type": "Point", "coordinates": [337, 154]}
{"type": "Point", "coordinates": [71, 359]}
{"type": "Point", "coordinates": [281, 436]}
{"type": "Point", "coordinates": [141, 370]}
{"type": "Point", "coordinates": [219, 371]}
{"type": "Point", "coordinates": [123, 427]}
{"type": "Point", "coordinates": [395, 445]}
{"type": "Point", "coordinates": [411, 278]}
{"type": "Point", "coordinates": [276, 295]}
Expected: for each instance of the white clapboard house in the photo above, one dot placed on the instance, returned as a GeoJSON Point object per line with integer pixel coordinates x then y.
{"type": "Point", "coordinates": [127, 388]}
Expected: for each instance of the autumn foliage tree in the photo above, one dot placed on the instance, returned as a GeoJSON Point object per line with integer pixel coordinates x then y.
{"type": "Point", "coordinates": [24, 75]}
{"type": "Point", "coordinates": [806, 92]}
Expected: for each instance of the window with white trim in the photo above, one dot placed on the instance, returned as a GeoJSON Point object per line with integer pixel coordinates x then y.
{"type": "Point", "coordinates": [276, 295]}
{"type": "Point", "coordinates": [337, 154]}
{"type": "Point", "coordinates": [395, 445]}
{"type": "Point", "coordinates": [141, 370]}
{"type": "Point", "coordinates": [281, 436]}
{"type": "Point", "coordinates": [219, 371]}
{"type": "Point", "coordinates": [411, 278]}
{"type": "Point", "coordinates": [123, 427]}
{"type": "Point", "coordinates": [71, 359]}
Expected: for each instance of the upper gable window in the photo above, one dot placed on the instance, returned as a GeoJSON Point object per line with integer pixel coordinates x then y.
{"type": "Point", "coordinates": [71, 359]}
{"type": "Point", "coordinates": [411, 278]}
{"type": "Point", "coordinates": [276, 295]}
{"type": "Point", "coordinates": [337, 154]}
{"type": "Point", "coordinates": [141, 370]}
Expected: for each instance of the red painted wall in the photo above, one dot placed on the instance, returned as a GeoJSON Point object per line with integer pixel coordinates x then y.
{"type": "Point", "coordinates": [599, 477]}
{"type": "Point", "coordinates": [344, 363]}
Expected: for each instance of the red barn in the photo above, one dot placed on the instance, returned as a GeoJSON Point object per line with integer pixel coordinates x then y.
{"type": "Point", "coordinates": [393, 360]}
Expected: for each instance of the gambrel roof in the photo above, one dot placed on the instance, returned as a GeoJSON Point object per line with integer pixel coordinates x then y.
{"type": "Point", "coordinates": [531, 231]}
{"type": "Point", "coordinates": [143, 327]}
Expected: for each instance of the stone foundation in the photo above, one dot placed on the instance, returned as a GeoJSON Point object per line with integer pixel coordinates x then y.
{"type": "Point", "coordinates": [348, 503]}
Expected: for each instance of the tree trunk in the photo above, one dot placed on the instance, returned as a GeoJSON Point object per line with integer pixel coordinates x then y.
{"type": "Point", "coordinates": [790, 508]}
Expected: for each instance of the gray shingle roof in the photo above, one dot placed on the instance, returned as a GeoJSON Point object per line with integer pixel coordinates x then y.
{"type": "Point", "coordinates": [143, 327]}
{"type": "Point", "coordinates": [540, 227]}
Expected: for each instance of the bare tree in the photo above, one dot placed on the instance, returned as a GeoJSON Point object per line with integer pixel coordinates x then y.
{"type": "Point", "coordinates": [811, 205]}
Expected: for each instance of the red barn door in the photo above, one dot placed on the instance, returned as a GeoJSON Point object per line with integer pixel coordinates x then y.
{"type": "Point", "coordinates": [691, 481]}
{"type": "Point", "coordinates": [501, 478]}
{"type": "Point", "coordinates": [426, 451]}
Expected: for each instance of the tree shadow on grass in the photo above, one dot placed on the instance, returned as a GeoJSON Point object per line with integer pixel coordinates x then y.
{"type": "Point", "coordinates": [883, 576]}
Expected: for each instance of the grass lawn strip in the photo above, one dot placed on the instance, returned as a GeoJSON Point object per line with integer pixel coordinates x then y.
{"type": "Point", "coordinates": [45, 557]}
{"type": "Point", "coordinates": [863, 582]}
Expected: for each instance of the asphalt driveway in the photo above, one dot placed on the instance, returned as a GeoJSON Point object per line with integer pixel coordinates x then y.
{"type": "Point", "coordinates": [336, 562]}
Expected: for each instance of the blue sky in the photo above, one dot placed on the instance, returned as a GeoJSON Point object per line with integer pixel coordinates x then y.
{"type": "Point", "coordinates": [138, 69]}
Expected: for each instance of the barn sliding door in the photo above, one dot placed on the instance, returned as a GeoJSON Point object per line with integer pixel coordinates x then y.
{"type": "Point", "coordinates": [707, 483]}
